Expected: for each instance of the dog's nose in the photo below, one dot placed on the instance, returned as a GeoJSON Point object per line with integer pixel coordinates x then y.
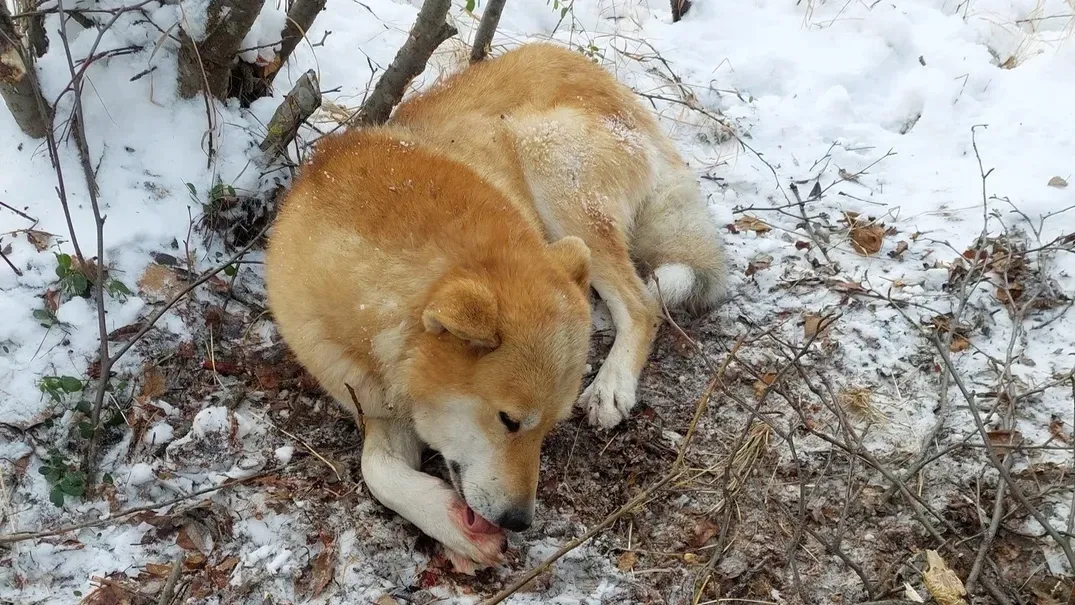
{"type": "Point", "coordinates": [516, 519]}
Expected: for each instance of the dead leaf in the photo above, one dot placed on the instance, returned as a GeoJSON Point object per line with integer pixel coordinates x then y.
{"type": "Point", "coordinates": [1004, 441]}
{"type": "Point", "coordinates": [106, 595]}
{"type": "Point", "coordinates": [762, 384]}
{"type": "Point", "coordinates": [52, 300]}
{"type": "Point", "coordinates": [847, 176]}
{"type": "Point", "coordinates": [1057, 182]}
{"type": "Point", "coordinates": [750, 223]}
{"type": "Point", "coordinates": [159, 569]}
{"type": "Point", "coordinates": [867, 239]}
{"type": "Point", "coordinates": [942, 582]}
{"type": "Point", "coordinates": [386, 600]}
{"type": "Point", "coordinates": [802, 245]}
{"type": "Point", "coordinates": [227, 565]}
{"type": "Point", "coordinates": [959, 344]}
{"type": "Point", "coordinates": [759, 263]}
{"type": "Point", "coordinates": [1010, 63]}
{"type": "Point", "coordinates": [153, 385]}
{"type": "Point", "coordinates": [195, 536]}
{"type": "Point", "coordinates": [626, 561]}
{"type": "Point", "coordinates": [1056, 429]}
{"type": "Point", "coordinates": [704, 531]}
{"type": "Point", "coordinates": [41, 239]}
{"type": "Point", "coordinates": [849, 287]}
{"type": "Point", "coordinates": [324, 566]}
{"type": "Point", "coordinates": [813, 325]}
{"type": "Point", "coordinates": [1012, 293]}
{"type": "Point", "coordinates": [194, 562]}
{"type": "Point", "coordinates": [159, 282]}
{"type": "Point", "coordinates": [901, 247]}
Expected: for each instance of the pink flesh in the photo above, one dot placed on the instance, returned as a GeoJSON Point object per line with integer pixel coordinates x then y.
{"type": "Point", "coordinates": [477, 524]}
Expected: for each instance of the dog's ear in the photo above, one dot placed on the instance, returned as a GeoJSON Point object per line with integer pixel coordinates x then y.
{"type": "Point", "coordinates": [466, 308]}
{"type": "Point", "coordinates": [573, 256]}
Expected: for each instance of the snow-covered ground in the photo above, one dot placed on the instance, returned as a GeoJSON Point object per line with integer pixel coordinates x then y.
{"type": "Point", "coordinates": [876, 105]}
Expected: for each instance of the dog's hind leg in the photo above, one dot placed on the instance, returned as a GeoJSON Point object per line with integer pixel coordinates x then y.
{"type": "Point", "coordinates": [391, 457]}
{"type": "Point", "coordinates": [675, 237]}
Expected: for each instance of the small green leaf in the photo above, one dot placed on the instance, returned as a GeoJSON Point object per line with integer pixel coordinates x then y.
{"type": "Point", "coordinates": [70, 384]}
{"type": "Point", "coordinates": [64, 260]}
{"type": "Point", "coordinates": [231, 270]}
{"type": "Point", "coordinates": [85, 429]}
{"type": "Point", "coordinates": [117, 287]}
{"type": "Point", "coordinates": [42, 315]}
{"type": "Point", "coordinates": [44, 469]}
{"type": "Point", "coordinates": [79, 283]}
{"type": "Point", "coordinates": [84, 407]}
{"type": "Point", "coordinates": [107, 478]}
{"type": "Point", "coordinates": [471, 5]}
{"type": "Point", "coordinates": [193, 191]}
{"type": "Point", "coordinates": [114, 419]}
{"type": "Point", "coordinates": [56, 496]}
{"type": "Point", "coordinates": [73, 484]}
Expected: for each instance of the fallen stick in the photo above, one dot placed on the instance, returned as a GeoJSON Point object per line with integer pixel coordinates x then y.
{"type": "Point", "coordinates": [298, 105]}
{"type": "Point", "coordinates": [23, 536]}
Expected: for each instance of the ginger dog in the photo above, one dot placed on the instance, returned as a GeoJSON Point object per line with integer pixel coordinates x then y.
{"type": "Point", "coordinates": [439, 268]}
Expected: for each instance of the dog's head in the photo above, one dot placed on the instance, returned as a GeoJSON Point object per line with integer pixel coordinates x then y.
{"type": "Point", "coordinates": [499, 363]}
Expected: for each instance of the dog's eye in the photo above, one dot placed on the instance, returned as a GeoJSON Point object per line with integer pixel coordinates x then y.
{"type": "Point", "coordinates": [513, 425]}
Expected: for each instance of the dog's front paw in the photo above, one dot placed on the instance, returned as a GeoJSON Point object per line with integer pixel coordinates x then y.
{"type": "Point", "coordinates": [610, 397]}
{"type": "Point", "coordinates": [488, 551]}
{"type": "Point", "coordinates": [475, 544]}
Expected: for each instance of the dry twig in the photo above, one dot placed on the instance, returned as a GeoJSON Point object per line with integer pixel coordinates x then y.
{"type": "Point", "coordinates": [123, 514]}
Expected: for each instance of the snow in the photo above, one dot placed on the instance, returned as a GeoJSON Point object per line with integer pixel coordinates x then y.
{"type": "Point", "coordinates": [814, 87]}
{"type": "Point", "coordinates": [141, 473]}
{"type": "Point", "coordinates": [283, 454]}
{"type": "Point", "coordinates": [159, 433]}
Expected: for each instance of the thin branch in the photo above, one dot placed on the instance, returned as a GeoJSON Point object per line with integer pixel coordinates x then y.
{"type": "Point", "coordinates": [8, 261]}
{"type": "Point", "coordinates": [300, 17]}
{"type": "Point", "coordinates": [483, 40]}
{"type": "Point", "coordinates": [676, 471]}
{"type": "Point", "coordinates": [79, 131]}
{"type": "Point", "coordinates": [120, 515]}
{"type": "Point", "coordinates": [991, 453]}
{"type": "Point", "coordinates": [429, 31]}
{"type": "Point", "coordinates": [148, 324]}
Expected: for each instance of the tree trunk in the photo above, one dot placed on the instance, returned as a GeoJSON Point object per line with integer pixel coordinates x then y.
{"type": "Point", "coordinates": [18, 82]}
{"type": "Point", "coordinates": [429, 31]}
{"type": "Point", "coordinates": [205, 63]}
{"type": "Point", "coordinates": [679, 8]}
{"type": "Point", "coordinates": [483, 40]}
{"type": "Point", "coordinates": [300, 17]}
{"type": "Point", "coordinates": [251, 82]}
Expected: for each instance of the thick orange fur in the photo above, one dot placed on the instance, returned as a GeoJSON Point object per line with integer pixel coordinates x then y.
{"type": "Point", "coordinates": [440, 265]}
